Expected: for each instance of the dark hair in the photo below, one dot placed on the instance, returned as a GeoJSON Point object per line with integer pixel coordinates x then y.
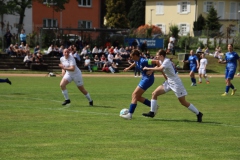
{"type": "Point", "coordinates": [162, 52]}
{"type": "Point", "coordinates": [136, 52]}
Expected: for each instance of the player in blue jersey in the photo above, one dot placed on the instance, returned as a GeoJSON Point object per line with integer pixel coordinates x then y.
{"type": "Point", "coordinates": [5, 81]}
{"type": "Point", "coordinates": [194, 65]}
{"type": "Point", "coordinates": [146, 81]}
{"type": "Point", "coordinates": [231, 59]}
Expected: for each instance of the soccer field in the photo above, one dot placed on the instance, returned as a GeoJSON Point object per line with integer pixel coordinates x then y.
{"type": "Point", "coordinates": [34, 124]}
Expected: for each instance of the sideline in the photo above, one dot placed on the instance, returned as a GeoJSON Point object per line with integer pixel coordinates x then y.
{"type": "Point", "coordinates": [99, 75]}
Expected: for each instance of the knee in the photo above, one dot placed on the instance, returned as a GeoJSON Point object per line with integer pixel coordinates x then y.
{"type": "Point", "coordinates": [154, 94]}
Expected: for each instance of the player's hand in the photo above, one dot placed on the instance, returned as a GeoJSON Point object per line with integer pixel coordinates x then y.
{"type": "Point", "coordinates": [145, 68]}
{"type": "Point", "coordinates": [61, 66]}
{"type": "Point", "coordinates": [126, 69]}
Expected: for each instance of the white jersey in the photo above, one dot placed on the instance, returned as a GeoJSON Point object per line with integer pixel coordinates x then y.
{"type": "Point", "coordinates": [70, 61]}
{"type": "Point", "coordinates": [174, 83]}
{"type": "Point", "coordinates": [203, 63]}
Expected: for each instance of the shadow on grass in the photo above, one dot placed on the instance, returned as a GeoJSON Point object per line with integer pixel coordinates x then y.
{"type": "Point", "coordinates": [97, 106]}
{"type": "Point", "coordinates": [185, 120]}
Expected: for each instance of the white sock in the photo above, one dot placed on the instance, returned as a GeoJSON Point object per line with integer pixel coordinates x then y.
{"type": "Point", "coordinates": [206, 78]}
{"type": "Point", "coordinates": [88, 97]}
{"type": "Point", "coordinates": [153, 105]}
{"type": "Point", "coordinates": [193, 109]}
{"type": "Point", "coordinates": [65, 94]}
{"type": "Point", "coordinates": [200, 79]}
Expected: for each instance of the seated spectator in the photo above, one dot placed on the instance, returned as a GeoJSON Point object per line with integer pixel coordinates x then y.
{"type": "Point", "coordinates": [106, 51]}
{"type": "Point", "coordinates": [206, 51]}
{"type": "Point", "coordinates": [11, 50]}
{"type": "Point", "coordinates": [100, 51]}
{"type": "Point", "coordinates": [199, 50]}
{"type": "Point", "coordinates": [61, 51]}
{"type": "Point", "coordinates": [17, 50]}
{"type": "Point", "coordinates": [113, 68]}
{"type": "Point", "coordinates": [89, 52]}
{"type": "Point", "coordinates": [36, 49]}
{"type": "Point", "coordinates": [110, 50]}
{"type": "Point", "coordinates": [110, 58]}
{"type": "Point", "coordinates": [95, 51]}
{"type": "Point", "coordinates": [217, 53]}
{"type": "Point", "coordinates": [97, 61]}
{"type": "Point", "coordinates": [38, 58]}
{"type": "Point", "coordinates": [84, 52]}
{"type": "Point", "coordinates": [105, 67]}
{"type": "Point", "coordinates": [117, 59]}
{"type": "Point", "coordinates": [27, 59]}
{"type": "Point", "coordinates": [87, 64]}
{"type": "Point", "coordinates": [115, 51]}
{"type": "Point", "coordinates": [103, 59]}
{"type": "Point", "coordinates": [76, 55]}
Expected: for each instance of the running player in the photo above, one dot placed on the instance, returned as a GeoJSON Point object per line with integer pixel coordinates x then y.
{"type": "Point", "coordinates": [173, 82]}
{"type": "Point", "coordinates": [146, 81]}
{"type": "Point", "coordinates": [202, 69]}
{"type": "Point", "coordinates": [194, 65]}
{"type": "Point", "coordinates": [5, 81]}
{"type": "Point", "coordinates": [231, 59]}
{"type": "Point", "coordinates": [70, 73]}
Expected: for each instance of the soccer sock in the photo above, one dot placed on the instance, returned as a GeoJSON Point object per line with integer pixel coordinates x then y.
{"type": "Point", "coordinates": [153, 105]}
{"type": "Point", "coordinates": [88, 97]}
{"type": "Point", "coordinates": [3, 80]}
{"type": "Point", "coordinates": [227, 89]}
{"type": "Point", "coordinates": [200, 79]}
{"type": "Point", "coordinates": [232, 86]}
{"type": "Point", "coordinates": [65, 94]}
{"type": "Point", "coordinates": [192, 79]}
{"type": "Point", "coordinates": [147, 103]}
{"type": "Point", "coordinates": [193, 109]}
{"type": "Point", "coordinates": [206, 78]}
{"type": "Point", "coordinates": [132, 108]}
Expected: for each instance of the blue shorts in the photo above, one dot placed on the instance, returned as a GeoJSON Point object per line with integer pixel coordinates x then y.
{"type": "Point", "coordinates": [229, 73]}
{"type": "Point", "coordinates": [193, 69]}
{"type": "Point", "coordinates": [145, 83]}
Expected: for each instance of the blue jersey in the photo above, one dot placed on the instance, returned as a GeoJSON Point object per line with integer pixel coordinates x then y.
{"type": "Point", "coordinates": [147, 80]}
{"type": "Point", "coordinates": [231, 59]}
{"type": "Point", "coordinates": [193, 60]}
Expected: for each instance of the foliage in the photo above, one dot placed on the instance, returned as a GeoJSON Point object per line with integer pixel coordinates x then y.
{"type": "Point", "coordinates": [146, 31]}
{"type": "Point", "coordinates": [174, 30]}
{"type": "Point", "coordinates": [116, 16]}
{"type": "Point", "coordinates": [58, 4]}
{"type": "Point", "coordinates": [236, 39]}
{"type": "Point", "coordinates": [136, 14]}
{"type": "Point", "coordinates": [184, 42]}
{"type": "Point", "coordinates": [212, 23]}
{"type": "Point", "coordinates": [199, 25]}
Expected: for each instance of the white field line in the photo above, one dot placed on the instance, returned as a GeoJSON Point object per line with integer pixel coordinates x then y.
{"type": "Point", "coordinates": [66, 108]}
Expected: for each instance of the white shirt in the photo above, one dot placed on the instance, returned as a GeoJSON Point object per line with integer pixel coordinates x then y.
{"type": "Point", "coordinates": [172, 39]}
{"type": "Point", "coordinates": [70, 62]}
{"type": "Point", "coordinates": [95, 50]}
{"type": "Point", "coordinates": [49, 49]}
{"type": "Point", "coordinates": [170, 45]}
{"type": "Point", "coordinates": [203, 63]}
{"type": "Point", "coordinates": [110, 58]}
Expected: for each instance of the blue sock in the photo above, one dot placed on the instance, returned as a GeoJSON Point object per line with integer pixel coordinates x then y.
{"type": "Point", "coordinates": [227, 89]}
{"type": "Point", "coordinates": [147, 103]}
{"type": "Point", "coordinates": [132, 108]}
{"type": "Point", "coordinates": [194, 80]}
{"type": "Point", "coordinates": [2, 80]}
{"type": "Point", "coordinates": [231, 86]}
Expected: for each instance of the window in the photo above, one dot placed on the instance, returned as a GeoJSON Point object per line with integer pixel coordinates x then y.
{"type": "Point", "coordinates": [184, 29]}
{"type": "Point", "coordinates": [234, 8]}
{"type": "Point", "coordinates": [159, 8]}
{"type": "Point", "coordinates": [84, 24]}
{"type": "Point", "coordinates": [85, 3]}
{"type": "Point", "coordinates": [162, 27]}
{"type": "Point", "coordinates": [221, 10]}
{"type": "Point", "coordinates": [50, 23]}
{"type": "Point", "coordinates": [183, 7]}
{"type": "Point", "coordinates": [49, 2]}
{"type": "Point", "coordinates": [207, 5]}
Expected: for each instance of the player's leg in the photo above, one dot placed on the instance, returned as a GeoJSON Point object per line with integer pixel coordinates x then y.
{"type": "Point", "coordinates": [200, 76]}
{"type": "Point", "coordinates": [65, 80]}
{"type": "Point", "coordinates": [192, 75]}
{"type": "Point", "coordinates": [5, 81]}
{"type": "Point", "coordinates": [191, 107]}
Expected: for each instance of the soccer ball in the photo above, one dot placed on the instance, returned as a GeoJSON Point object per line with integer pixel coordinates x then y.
{"type": "Point", "coordinates": [238, 74]}
{"type": "Point", "coordinates": [124, 111]}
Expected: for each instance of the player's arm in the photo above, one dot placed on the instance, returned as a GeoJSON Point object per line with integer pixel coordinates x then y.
{"type": "Point", "coordinates": [197, 63]}
{"type": "Point", "coordinates": [158, 67]}
{"type": "Point", "coordinates": [132, 65]}
{"type": "Point", "coordinates": [239, 64]}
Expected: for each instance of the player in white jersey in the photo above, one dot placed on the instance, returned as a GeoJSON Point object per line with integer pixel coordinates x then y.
{"type": "Point", "coordinates": [202, 69]}
{"type": "Point", "coordinates": [173, 82]}
{"type": "Point", "coordinates": [70, 73]}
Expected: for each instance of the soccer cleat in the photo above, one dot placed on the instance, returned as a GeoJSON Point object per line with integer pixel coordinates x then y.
{"type": "Point", "coordinates": [224, 94]}
{"type": "Point", "coordinates": [8, 81]}
{"type": "Point", "coordinates": [149, 114]}
{"type": "Point", "coordinates": [66, 102]}
{"type": "Point", "coordinates": [126, 116]}
{"type": "Point", "coordinates": [199, 82]}
{"type": "Point", "coordinates": [199, 117]}
{"type": "Point", "coordinates": [233, 91]}
{"type": "Point", "coordinates": [207, 82]}
{"type": "Point", "coordinates": [193, 84]}
{"type": "Point", "coordinates": [91, 103]}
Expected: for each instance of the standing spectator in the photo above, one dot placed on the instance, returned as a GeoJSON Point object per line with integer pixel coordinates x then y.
{"type": "Point", "coordinates": [194, 65]}
{"type": "Point", "coordinates": [135, 44]}
{"type": "Point", "coordinates": [144, 46]}
{"type": "Point", "coordinates": [23, 37]}
{"type": "Point", "coordinates": [70, 73]}
{"type": "Point", "coordinates": [8, 37]}
{"type": "Point", "coordinates": [170, 46]}
{"type": "Point", "coordinates": [173, 40]}
{"type": "Point", "coordinates": [231, 59]}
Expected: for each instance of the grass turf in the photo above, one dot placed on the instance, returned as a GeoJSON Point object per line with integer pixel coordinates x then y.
{"type": "Point", "coordinates": [34, 125]}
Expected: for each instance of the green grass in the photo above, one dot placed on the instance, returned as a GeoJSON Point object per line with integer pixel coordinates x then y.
{"type": "Point", "coordinates": [34, 125]}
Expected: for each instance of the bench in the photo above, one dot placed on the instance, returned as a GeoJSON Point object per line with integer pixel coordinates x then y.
{"type": "Point", "coordinates": [39, 67]}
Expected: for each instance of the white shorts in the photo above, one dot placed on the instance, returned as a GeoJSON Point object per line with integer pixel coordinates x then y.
{"type": "Point", "coordinates": [178, 89]}
{"type": "Point", "coordinates": [201, 71]}
{"type": "Point", "coordinates": [77, 78]}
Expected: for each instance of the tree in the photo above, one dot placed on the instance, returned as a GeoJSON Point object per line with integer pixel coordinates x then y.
{"type": "Point", "coordinates": [146, 31]}
{"type": "Point", "coordinates": [116, 14]}
{"type": "Point", "coordinates": [136, 14]}
{"type": "Point", "coordinates": [199, 25]}
{"type": "Point", "coordinates": [174, 30]}
{"type": "Point", "coordinates": [212, 23]}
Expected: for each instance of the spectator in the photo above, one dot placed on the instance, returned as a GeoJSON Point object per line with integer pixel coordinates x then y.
{"type": "Point", "coordinates": [23, 37]}
{"type": "Point", "coordinates": [135, 44]}
{"type": "Point", "coordinates": [115, 51]}
{"type": "Point", "coordinates": [170, 46]}
{"type": "Point", "coordinates": [87, 63]}
{"type": "Point", "coordinates": [84, 52]}
{"type": "Point", "coordinates": [144, 46]}
{"type": "Point", "coordinates": [103, 59]}
{"type": "Point", "coordinates": [110, 58]}
{"type": "Point", "coordinates": [105, 67]}
{"type": "Point", "coordinates": [147, 54]}
{"type": "Point", "coordinates": [11, 50]}
{"type": "Point", "coordinates": [117, 58]}
{"type": "Point", "coordinates": [76, 55]}
{"type": "Point", "coordinates": [198, 50]}
{"type": "Point", "coordinates": [95, 51]}
{"type": "Point", "coordinates": [8, 37]}
{"type": "Point", "coordinates": [27, 59]}
{"type": "Point", "coordinates": [172, 39]}
{"type": "Point", "coordinates": [206, 51]}
{"type": "Point", "coordinates": [136, 70]}
{"type": "Point", "coordinates": [36, 49]}
{"type": "Point", "coordinates": [97, 61]}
